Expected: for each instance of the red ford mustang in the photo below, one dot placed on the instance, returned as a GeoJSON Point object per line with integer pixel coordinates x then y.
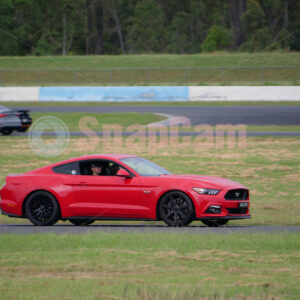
{"type": "Point", "coordinates": [121, 187]}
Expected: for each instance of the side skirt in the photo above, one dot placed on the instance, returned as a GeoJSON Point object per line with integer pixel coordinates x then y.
{"type": "Point", "coordinates": [107, 219]}
{"type": "Point", "coordinates": [11, 215]}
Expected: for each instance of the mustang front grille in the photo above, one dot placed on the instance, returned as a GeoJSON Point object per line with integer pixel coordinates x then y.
{"type": "Point", "coordinates": [237, 194]}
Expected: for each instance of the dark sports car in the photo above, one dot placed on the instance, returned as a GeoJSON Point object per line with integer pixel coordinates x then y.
{"type": "Point", "coordinates": [121, 187]}
{"type": "Point", "coordinates": [10, 120]}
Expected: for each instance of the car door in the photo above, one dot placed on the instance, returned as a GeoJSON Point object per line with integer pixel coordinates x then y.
{"type": "Point", "coordinates": [107, 196]}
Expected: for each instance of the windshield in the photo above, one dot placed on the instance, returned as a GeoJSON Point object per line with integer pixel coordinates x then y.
{"type": "Point", "coordinates": [144, 167]}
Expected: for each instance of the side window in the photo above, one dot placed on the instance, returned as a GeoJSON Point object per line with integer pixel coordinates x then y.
{"type": "Point", "coordinates": [99, 168]}
{"type": "Point", "coordinates": [70, 168]}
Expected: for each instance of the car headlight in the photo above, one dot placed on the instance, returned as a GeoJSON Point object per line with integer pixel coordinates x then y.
{"type": "Point", "coordinates": [206, 191]}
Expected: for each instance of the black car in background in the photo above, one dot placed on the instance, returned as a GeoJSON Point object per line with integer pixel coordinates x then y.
{"type": "Point", "coordinates": [10, 120]}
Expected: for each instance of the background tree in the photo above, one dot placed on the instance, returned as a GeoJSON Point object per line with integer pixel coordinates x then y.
{"type": "Point", "coordinates": [237, 9]}
{"type": "Point", "coordinates": [147, 31]}
{"type": "Point", "coordinates": [43, 27]}
{"type": "Point", "coordinates": [216, 39]}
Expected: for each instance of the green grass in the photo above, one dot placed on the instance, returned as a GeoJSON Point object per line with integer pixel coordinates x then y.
{"type": "Point", "coordinates": [228, 74]}
{"type": "Point", "coordinates": [177, 103]}
{"type": "Point", "coordinates": [150, 266]}
{"type": "Point", "coordinates": [155, 60]}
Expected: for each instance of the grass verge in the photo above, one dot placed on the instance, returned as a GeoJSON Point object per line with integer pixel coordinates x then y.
{"type": "Point", "coordinates": [150, 266]}
{"type": "Point", "coordinates": [221, 69]}
{"type": "Point", "coordinates": [153, 60]}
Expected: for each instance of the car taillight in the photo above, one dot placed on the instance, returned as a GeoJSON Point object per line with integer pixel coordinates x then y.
{"type": "Point", "coordinates": [3, 115]}
{"type": "Point", "coordinates": [3, 185]}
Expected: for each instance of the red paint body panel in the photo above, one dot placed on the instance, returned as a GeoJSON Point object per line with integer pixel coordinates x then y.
{"type": "Point", "coordinates": [107, 196]}
{"type": "Point", "coordinates": [114, 196]}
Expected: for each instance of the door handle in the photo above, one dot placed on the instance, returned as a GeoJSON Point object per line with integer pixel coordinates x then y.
{"type": "Point", "coordinates": [82, 183]}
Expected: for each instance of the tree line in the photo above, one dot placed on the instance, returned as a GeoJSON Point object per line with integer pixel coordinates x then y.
{"type": "Point", "coordinates": [43, 27]}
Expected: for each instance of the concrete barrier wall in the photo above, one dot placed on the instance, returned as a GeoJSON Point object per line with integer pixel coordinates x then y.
{"type": "Point", "coordinates": [109, 94]}
{"type": "Point", "coordinates": [152, 93]}
{"type": "Point", "coordinates": [244, 93]}
{"type": "Point", "coordinates": [19, 93]}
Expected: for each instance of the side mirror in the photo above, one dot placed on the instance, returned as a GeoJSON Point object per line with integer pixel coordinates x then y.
{"type": "Point", "coordinates": [123, 173]}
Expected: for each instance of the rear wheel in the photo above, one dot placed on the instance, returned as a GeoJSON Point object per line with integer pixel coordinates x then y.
{"type": "Point", "coordinates": [176, 209]}
{"type": "Point", "coordinates": [42, 209]}
{"type": "Point", "coordinates": [6, 131]}
{"type": "Point", "coordinates": [214, 223]}
{"type": "Point", "coordinates": [81, 222]}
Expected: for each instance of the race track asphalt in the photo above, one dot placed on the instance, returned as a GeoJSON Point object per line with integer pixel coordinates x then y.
{"type": "Point", "coordinates": [138, 228]}
{"type": "Point", "coordinates": [212, 115]}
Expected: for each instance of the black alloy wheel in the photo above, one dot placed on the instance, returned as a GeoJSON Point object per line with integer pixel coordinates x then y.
{"type": "Point", "coordinates": [176, 209]}
{"type": "Point", "coordinates": [42, 209]}
{"type": "Point", "coordinates": [81, 222]}
{"type": "Point", "coordinates": [214, 223]}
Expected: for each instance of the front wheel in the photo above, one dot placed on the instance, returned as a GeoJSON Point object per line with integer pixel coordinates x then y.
{"type": "Point", "coordinates": [176, 209]}
{"type": "Point", "coordinates": [81, 222]}
{"type": "Point", "coordinates": [42, 209]}
{"type": "Point", "coordinates": [214, 223]}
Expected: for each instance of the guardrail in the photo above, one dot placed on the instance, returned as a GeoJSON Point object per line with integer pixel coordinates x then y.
{"type": "Point", "coordinates": [179, 76]}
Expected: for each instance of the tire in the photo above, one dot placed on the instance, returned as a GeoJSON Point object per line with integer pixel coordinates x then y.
{"type": "Point", "coordinates": [214, 223]}
{"type": "Point", "coordinates": [82, 222]}
{"type": "Point", "coordinates": [6, 131]}
{"type": "Point", "coordinates": [22, 129]}
{"type": "Point", "coordinates": [176, 209]}
{"type": "Point", "coordinates": [42, 209]}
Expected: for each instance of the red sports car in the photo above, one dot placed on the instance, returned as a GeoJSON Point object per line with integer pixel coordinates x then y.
{"type": "Point", "coordinates": [121, 187]}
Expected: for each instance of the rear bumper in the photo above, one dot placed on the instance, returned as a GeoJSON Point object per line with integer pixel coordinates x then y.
{"type": "Point", "coordinates": [15, 125]}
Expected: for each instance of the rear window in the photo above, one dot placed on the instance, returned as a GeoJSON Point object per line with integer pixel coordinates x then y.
{"type": "Point", "coordinates": [70, 168]}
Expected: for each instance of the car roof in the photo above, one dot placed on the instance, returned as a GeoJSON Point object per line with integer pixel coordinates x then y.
{"type": "Point", "coordinates": [80, 158]}
{"type": "Point", "coordinates": [4, 108]}
{"type": "Point", "coordinates": [101, 156]}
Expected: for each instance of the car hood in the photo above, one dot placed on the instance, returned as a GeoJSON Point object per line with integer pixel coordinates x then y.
{"type": "Point", "coordinates": [206, 181]}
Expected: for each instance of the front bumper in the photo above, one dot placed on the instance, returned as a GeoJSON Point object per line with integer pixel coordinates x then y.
{"type": "Point", "coordinates": [228, 217]}
{"type": "Point", "coordinates": [229, 209]}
